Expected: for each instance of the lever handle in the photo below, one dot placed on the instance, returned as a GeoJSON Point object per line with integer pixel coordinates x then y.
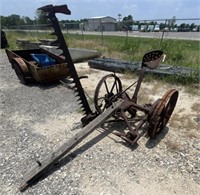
{"type": "Point", "coordinates": [63, 9]}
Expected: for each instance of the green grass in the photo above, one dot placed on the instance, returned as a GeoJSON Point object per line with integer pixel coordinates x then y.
{"type": "Point", "coordinates": [12, 37]}
{"type": "Point", "coordinates": [183, 53]}
{"type": "Point", "coordinates": [179, 52]}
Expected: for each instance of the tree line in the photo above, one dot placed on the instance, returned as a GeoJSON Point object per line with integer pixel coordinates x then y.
{"type": "Point", "coordinates": [126, 22]}
{"type": "Point", "coordinates": [17, 20]}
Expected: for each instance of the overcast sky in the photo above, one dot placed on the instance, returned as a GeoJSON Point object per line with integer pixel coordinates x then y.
{"type": "Point", "coordinates": [139, 9]}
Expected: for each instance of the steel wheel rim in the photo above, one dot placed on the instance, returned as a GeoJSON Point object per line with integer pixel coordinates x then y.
{"type": "Point", "coordinates": [105, 92]}
{"type": "Point", "coordinates": [162, 112]}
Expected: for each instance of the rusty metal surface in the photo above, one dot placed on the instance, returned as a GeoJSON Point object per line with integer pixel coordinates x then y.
{"type": "Point", "coordinates": [23, 66]}
{"type": "Point", "coordinates": [108, 87]}
{"type": "Point", "coordinates": [49, 73]}
{"type": "Point", "coordinates": [31, 70]}
{"type": "Point", "coordinates": [162, 112]}
{"type": "Point", "coordinates": [41, 166]}
{"type": "Point", "coordinates": [112, 102]}
{"type": "Point", "coordinates": [51, 11]}
{"type": "Point", "coordinates": [156, 114]}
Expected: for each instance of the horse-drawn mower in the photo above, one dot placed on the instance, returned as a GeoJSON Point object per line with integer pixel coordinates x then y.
{"type": "Point", "coordinates": [112, 103]}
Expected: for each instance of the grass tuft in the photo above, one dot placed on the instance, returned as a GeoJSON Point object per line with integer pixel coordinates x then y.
{"type": "Point", "coordinates": [172, 145]}
{"type": "Point", "coordinates": [179, 52]}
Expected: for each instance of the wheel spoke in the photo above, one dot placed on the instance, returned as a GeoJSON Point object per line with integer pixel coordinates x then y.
{"type": "Point", "coordinates": [101, 98]}
{"type": "Point", "coordinates": [108, 87]}
{"type": "Point", "coordinates": [114, 84]}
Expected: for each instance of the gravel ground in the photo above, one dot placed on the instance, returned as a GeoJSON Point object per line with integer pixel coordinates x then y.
{"type": "Point", "coordinates": [36, 119]}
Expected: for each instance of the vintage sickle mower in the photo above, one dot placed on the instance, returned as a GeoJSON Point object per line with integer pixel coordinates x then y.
{"type": "Point", "coordinates": [111, 103]}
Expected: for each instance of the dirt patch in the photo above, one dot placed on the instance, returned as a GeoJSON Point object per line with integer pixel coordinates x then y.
{"type": "Point", "coordinates": [35, 119]}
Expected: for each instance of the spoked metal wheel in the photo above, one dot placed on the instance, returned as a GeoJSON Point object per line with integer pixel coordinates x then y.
{"type": "Point", "coordinates": [162, 112]}
{"type": "Point", "coordinates": [107, 89]}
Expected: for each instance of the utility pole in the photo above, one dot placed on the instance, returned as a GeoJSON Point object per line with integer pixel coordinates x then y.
{"type": "Point", "coordinates": [119, 19]}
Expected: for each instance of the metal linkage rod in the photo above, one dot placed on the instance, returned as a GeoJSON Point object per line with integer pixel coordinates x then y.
{"type": "Point", "coordinates": [61, 151]}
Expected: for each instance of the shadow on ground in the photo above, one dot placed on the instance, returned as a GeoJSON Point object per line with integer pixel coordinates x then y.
{"type": "Point", "coordinates": [104, 132]}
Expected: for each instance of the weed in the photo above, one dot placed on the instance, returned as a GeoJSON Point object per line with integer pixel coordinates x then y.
{"type": "Point", "coordinates": [172, 145]}
{"type": "Point", "coordinates": [192, 134]}
{"type": "Point", "coordinates": [179, 52]}
{"type": "Point", "coordinates": [196, 107]}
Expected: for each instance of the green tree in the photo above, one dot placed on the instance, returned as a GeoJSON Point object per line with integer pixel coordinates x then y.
{"type": "Point", "coordinates": [27, 20]}
{"type": "Point", "coordinates": [192, 26]}
{"type": "Point", "coordinates": [41, 18]}
{"type": "Point", "coordinates": [128, 21]}
{"type": "Point", "coordinates": [3, 21]}
{"type": "Point", "coordinates": [182, 25]}
{"type": "Point", "coordinates": [13, 20]}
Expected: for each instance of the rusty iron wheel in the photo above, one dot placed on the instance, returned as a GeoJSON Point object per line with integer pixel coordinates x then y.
{"type": "Point", "coordinates": [107, 89]}
{"type": "Point", "coordinates": [162, 112]}
{"type": "Point", "coordinates": [19, 73]}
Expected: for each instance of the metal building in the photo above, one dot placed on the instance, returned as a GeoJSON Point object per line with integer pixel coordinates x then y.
{"type": "Point", "coordinates": [105, 23]}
